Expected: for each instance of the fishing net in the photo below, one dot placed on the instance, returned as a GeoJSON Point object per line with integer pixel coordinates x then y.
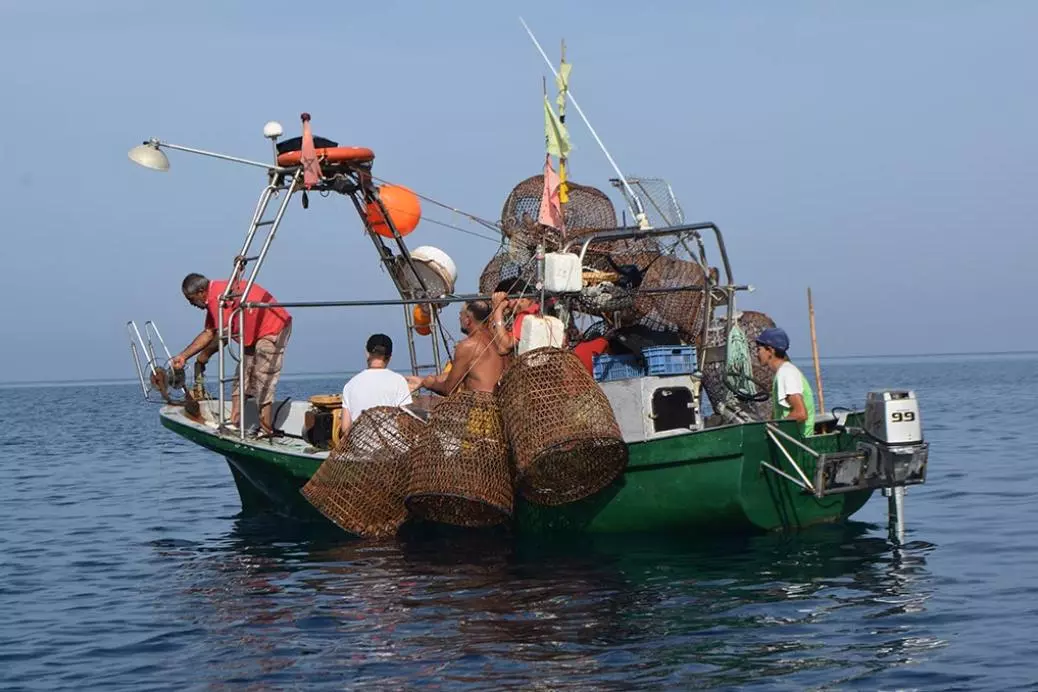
{"type": "Point", "coordinates": [461, 471]}
{"type": "Point", "coordinates": [721, 378]}
{"type": "Point", "coordinates": [362, 484]}
{"type": "Point", "coordinates": [608, 299]}
{"type": "Point", "coordinates": [564, 436]}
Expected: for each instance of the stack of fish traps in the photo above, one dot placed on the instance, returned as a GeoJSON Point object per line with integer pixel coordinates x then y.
{"type": "Point", "coordinates": [362, 484]}
{"type": "Point", "coordinates": [461, 473]}
{"type": "Point", "coordinates": [589, 210]}
{"type": "Point", "coordinates": [549, 432]}
{"type": "Point", "coordinates": [561, 428]}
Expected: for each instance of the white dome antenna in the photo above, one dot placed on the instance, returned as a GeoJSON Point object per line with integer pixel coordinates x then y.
{"type": "Point", "coordinates": [272, 130]}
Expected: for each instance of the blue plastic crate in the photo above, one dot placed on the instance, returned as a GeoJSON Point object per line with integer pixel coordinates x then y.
{"type": "Point", "coordinates": [670, 360]}
{"type": "Point", "coordinates": [608, 368]}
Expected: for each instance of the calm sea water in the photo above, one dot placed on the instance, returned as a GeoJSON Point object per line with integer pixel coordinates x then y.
{"type": "Point", "coordinates": [124, 564]}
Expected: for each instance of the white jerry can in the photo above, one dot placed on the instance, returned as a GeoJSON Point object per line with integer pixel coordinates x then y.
{"type": "Point", "coordinates": [538, 332]}
{"type": "Point", "coordinates": [562, 272]}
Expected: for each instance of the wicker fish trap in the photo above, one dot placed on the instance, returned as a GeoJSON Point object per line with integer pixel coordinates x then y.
{"type": "Point", "coordinates": [564, 437]}
{"type": "Point", "coordinates": [681, 311]}
{"type": "Point", "coordinates": [362, 484]}
{"type": "Point", "coordinates": [508, 263]}
{"type": "Point", "coordinates": [587, 208]}
{"type": "Point", "coordinates": [461, 473]}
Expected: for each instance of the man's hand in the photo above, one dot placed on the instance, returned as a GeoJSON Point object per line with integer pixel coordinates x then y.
{"type": "Point", "coordinates": [414, 383]}
{"type": "Point", "coordinates": [178, 362]}
{"type": "Point", "coordinates": [499, 301]}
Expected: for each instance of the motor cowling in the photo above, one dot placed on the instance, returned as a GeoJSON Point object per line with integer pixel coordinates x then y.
{"type": "Point", "coordinates": [894, 437]}
{"type": "Point", "coordinates": [892, 416]}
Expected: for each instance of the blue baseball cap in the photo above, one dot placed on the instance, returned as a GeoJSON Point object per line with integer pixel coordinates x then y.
{"type": "Point", "coordinates": [775, 337]}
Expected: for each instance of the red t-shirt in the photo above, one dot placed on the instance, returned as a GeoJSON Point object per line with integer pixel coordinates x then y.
{"type": "Point", "coordinates": [587, 350]}
{"type": "Point", "coordinates": [259, 322]}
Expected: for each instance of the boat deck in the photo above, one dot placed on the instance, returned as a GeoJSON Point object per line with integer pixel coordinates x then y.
{"type": "Point", "coordinates": [288, 418]}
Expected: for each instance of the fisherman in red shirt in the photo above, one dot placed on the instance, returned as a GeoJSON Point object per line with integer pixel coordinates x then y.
{"type": "Point", "coordinates": [263, 348]}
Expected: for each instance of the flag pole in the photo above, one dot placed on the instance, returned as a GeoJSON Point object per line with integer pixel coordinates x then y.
{"type": "Point", "coordinates": [814, 350]}
{"type": "Point", "coordinates": [563, 92]}
{"type": "Point", "coordinates": [637, 208]}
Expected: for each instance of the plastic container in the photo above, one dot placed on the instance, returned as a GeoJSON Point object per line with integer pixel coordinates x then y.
{"type": "Point", "coordinates": [607, 368]}
{"type": "Point", "coordinates": [562, 272]}
{"type": "Point", "coordinates": [538, 332]}
{"type": "Point", "coordinates": [670, 360]}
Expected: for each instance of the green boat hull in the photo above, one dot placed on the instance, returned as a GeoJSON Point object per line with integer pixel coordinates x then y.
{"type": "Point", "coordinates": [709, 481]}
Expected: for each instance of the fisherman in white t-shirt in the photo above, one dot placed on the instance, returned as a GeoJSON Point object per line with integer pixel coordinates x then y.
{"type": "Point", "coordinates": [791, 395]}
{"type": "Point", "coordinates": [375, 386]}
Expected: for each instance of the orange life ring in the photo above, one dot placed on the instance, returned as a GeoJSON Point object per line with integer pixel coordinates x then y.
{"type": "Point", "coordinates": [329, 155]}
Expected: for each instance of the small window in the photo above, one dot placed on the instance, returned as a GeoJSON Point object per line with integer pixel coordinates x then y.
{"type": "Point", "coordinates": [672, 408]}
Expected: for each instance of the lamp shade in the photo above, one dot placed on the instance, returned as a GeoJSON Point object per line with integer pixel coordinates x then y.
{"type": "Point", "coordinates": [150, 156]}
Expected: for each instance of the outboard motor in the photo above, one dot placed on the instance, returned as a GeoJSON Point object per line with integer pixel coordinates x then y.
{"type": "Point", "coordinates": [894, 435]}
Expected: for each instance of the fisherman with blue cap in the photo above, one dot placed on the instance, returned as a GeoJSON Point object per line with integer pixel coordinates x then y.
{"type": "Point", "coordinates": [791, 396]}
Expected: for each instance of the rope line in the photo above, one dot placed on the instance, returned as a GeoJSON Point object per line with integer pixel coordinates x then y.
{"type": "Point", "coordinates": [478, 219]}
{"type": "Point", "coordinates": [460, 229]}
{"type": "Point", "coordinates": [522, 292]}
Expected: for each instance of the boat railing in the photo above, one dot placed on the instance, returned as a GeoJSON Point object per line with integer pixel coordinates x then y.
{"type": "Point", "coordinates": [681, 231]}
{"type": "Point", "coordinates": [635, 233]}
{"type": "Point", "coordinates": [142, 349]}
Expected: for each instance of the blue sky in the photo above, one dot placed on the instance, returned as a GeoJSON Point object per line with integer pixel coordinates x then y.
{"type": "Point", "coordinates": [882, 153]}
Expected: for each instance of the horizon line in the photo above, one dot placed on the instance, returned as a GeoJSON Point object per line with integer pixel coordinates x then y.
{"type": "Point", "coordinates": [328, 373]}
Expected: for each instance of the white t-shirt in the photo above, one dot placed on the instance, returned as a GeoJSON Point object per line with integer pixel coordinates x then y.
{"type": "Point", "coordinates": [374, 387]}
{"type": "Point", "coordinates": [789, 380]}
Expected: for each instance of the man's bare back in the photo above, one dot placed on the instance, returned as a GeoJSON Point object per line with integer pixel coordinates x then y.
{"type": "Point", "coordinates": [476, 365]}
{"type": "Point", "coordinates": [479, 361]}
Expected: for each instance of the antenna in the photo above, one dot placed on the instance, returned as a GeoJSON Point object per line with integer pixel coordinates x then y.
{"type": "Point", "coordinates": [638, 210]}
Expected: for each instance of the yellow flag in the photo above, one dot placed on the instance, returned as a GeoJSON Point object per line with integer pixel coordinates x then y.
{"type": "Point", "coordinates": [562, 84]}
{"type": "Point", "coordinates": [563, 187]}
{"type": "Point", "coordinates": [556, 139]}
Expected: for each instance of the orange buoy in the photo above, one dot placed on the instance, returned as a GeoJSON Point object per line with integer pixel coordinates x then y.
{"type": "Point", "coordinates": [404, 207]}
{"type": "Point", "coordinates": [422, 320]}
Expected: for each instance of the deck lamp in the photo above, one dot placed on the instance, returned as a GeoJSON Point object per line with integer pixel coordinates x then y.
{"type": "Point", "coordinates": [150, 155]}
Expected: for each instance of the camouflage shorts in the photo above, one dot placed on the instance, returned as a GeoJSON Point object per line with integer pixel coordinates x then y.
{"type": "Point", "coordinates": [263, 366]}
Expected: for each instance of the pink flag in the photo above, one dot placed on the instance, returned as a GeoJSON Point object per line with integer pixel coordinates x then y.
{"type": "Point", "coordinates": [551, 208]}
{"type": "Point", "coordinates": [308, 156]}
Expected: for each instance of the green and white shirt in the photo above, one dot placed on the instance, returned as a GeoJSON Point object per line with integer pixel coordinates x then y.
{"type": "Point", "coordinates": [789, 380]}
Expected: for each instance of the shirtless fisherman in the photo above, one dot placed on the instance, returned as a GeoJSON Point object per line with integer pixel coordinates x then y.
{"type": "Point", "coordinates": [477, 366]}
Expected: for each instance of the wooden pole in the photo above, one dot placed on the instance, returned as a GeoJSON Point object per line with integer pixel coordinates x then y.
{"type": "Point", "coordinates": [814, 352]}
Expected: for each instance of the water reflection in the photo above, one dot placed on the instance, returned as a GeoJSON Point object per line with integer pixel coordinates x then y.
{"type": "Point", "coordinates": [477, 608]}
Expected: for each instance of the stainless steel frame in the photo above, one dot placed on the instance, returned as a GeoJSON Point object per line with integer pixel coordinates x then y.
{"type": "Point", "coordinates": [146, 344]}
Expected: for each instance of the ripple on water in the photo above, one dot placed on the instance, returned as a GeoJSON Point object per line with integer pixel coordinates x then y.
{"type": "Point", "coordinates": [124, 565]}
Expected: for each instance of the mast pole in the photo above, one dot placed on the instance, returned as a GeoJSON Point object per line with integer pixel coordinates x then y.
{"type": "Point", "coordinates": [814, 350]}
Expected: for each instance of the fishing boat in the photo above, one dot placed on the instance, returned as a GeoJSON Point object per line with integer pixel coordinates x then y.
{"type": "Point", "coordinates": [684, 471]}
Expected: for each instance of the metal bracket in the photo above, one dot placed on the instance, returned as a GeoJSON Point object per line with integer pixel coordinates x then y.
{"type": "Point", "coordinates": [805, 481]}
{"type": "Point", "coordinates": [142, 350]}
